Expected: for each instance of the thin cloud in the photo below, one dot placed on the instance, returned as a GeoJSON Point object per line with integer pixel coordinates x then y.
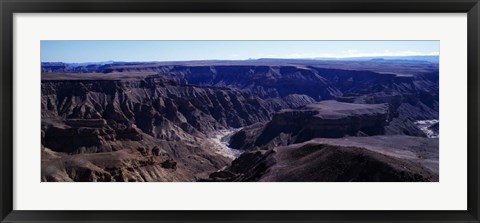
{"type": "Point", "coordinates": [353, 53]}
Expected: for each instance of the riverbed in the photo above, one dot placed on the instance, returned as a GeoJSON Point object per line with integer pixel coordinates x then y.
{"type": "Point", "coordinates": [425, 125]}
{"type": "Point", "coordinates": [220, 143]}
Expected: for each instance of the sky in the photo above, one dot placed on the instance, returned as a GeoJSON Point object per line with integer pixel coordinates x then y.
{"type": "Point", "coordinates": [136, 51]}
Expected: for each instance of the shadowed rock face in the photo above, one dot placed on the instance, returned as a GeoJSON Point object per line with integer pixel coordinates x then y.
{"type": "Point", "coordinates": [279, 81]}
{"type": "Point", "coordinates": [150, 103]}
{"type": "Point", "coordinates": [435, 128]}
{"type": "Point", "coordinates": [325, 119]}
{"type": "Point", "coordinates": [264, 81]}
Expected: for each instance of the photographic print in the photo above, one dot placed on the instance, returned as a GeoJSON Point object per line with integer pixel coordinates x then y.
{"type": "Point", "coordinates": [239, 111]}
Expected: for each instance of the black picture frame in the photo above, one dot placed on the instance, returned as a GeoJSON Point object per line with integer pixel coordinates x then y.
{"type": "Point", "coordinates": [9, 7]}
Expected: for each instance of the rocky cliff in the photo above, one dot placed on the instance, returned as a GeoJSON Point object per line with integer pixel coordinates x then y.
{"type": "Point", "coordinates": [93, 118]}
{"type": "Point", "coordinates": [325, 119]}
{"type": "Point", "coordinates": [156, 121]}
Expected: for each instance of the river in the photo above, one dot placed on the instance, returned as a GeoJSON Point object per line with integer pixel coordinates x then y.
{"type": "Point", "coordinates": [220, 143]}
{"type": "Point", "coordinates": [425, 125]}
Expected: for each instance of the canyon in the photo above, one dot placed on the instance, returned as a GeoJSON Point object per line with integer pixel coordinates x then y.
{"type": "Point", "coordinates": [255, 120]}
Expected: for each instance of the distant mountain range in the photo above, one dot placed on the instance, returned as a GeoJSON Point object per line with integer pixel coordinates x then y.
{"type": "Point", "coordinates": [397, 59]}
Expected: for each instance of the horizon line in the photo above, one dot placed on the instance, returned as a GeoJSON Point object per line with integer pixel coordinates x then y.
{"type": "Point", "coordinates": [262, 58]}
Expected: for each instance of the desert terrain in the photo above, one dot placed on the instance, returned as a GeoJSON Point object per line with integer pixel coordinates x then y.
{"type": "Point", "coordinates": [269, 120]}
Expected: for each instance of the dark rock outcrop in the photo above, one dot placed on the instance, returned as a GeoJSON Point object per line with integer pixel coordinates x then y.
{"type": "Point", "coordinates": [435, 128]}
{"type": "Point", "coordinates": [325, 119]}
{"type": "Point", "coordinates": [372, 159]}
